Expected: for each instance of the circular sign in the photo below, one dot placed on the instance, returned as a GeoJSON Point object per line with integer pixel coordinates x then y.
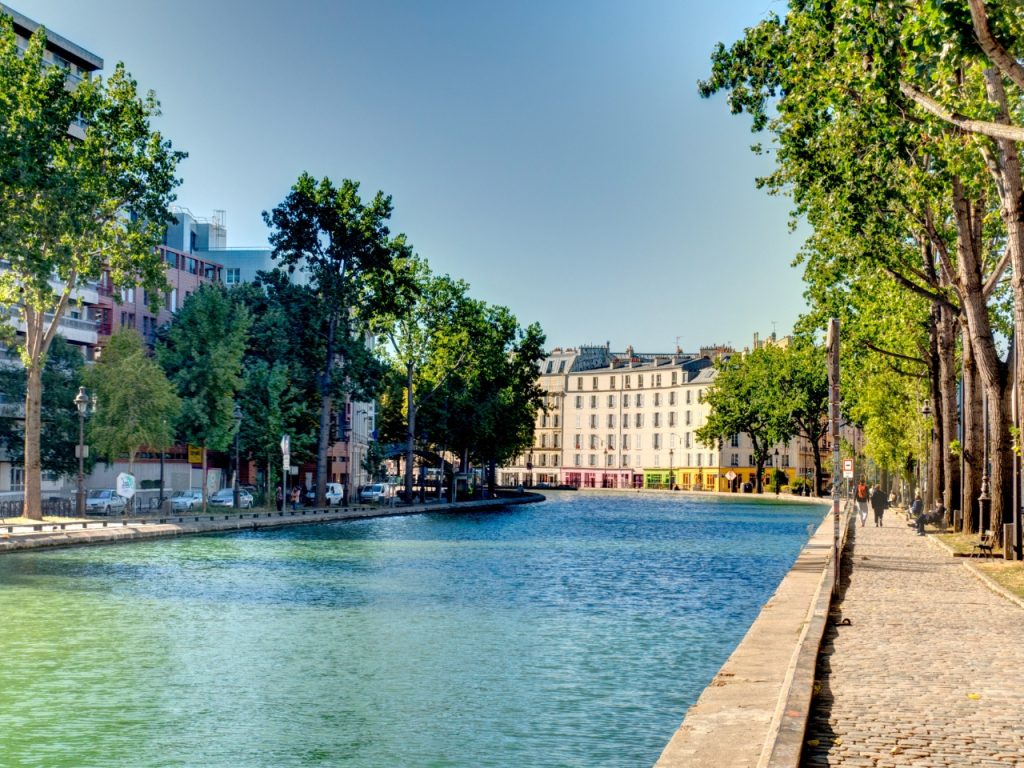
{"type": "Point", "coordinates": [125, 485]}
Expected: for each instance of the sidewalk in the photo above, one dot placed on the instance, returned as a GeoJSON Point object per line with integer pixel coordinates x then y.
{"type": "Point", "coordinates": [930, 670]}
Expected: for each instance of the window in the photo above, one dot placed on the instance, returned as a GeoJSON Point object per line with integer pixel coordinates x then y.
{"type": "Point", "coordinates": [674, 377]}
{"type": "Point", "coordinates": [561, 366]}
{"type": "Point", "coordinates": [609, 460]}
{"type": "Point", "coordinates": [656, 441]}
{"type": "Point", "coordinates": [171, 299]}
{"type": "Point", "coordinates": [657, 399]}
{"type": "Point", "coordinates": [557, 441]}
{"type": "Point", "coordinates": [611, 421]}
{"type": "Point", "coordinates": [689, 420]}
{"type": "Point", "coordinates": [593, 442]}
{"type": "Point", "coordinates": [577, 459]}
{"type": "Point", "coordinates": [639, 420]}
{"type": "Point", "coordinates": [689, 392]}
{"type": "Point", "coordinates": [734, 460]}
{"type": "Point", "coordinates": [17, 478]}
{"type": "Point", "coordinates": [556, 421]}
{"type": "Point", "coordinates": [625, 442]}
{"type": "Point", "coordinates": [593, 460]}
{"type": "Point", "coordinates": [700, 456]}
{"type": "Point", "coordinates": [625, 461]}
{"type": "Point", "coordinates": [627, 381]}
{"type": "Point", "coordinates": [625, 400]}
{"type": "Point", "coordinates": [593, 421]}
{"type": "Point", "coordinates": [711, 459]}
{"type": "Point", "coordinates": [611, 401]}
{"type": "Point", "coordinates": [233, 276]}
{"type": "Point", "coordinates": [127, 295]}
{"type": "Point", "coordinates": [671, 418]}
{"type": "Point", "coordinates": [672, 396]}
{"type": "Point", "coordinates": [611, 382]}
{"type": "Point", "coordinates": [610, 443]}
{"type": "Point", "coordinates": [543, 459]}
{"type": "Point", "coordinates": [579, 382]}
{"type": "Point", "coordinates": [686, 442]}
{"type": "Point", "coordinates": [750, 460]}
{"type": "Point", "coordinates": [579, 401]}
{"type": "Point", "coordinates": [579, 442]}
{"type": "Point", "coordinates": [639, 400]}
{"type": "Point", "coordinates": [657, 379]}
{"type": "Point", "coordinates": [593, 401]}
{"type": "Point", "coordinates": [734, 441]}
{"type": "Point", "coordinates": [554, 461]}
{"type": "Point", "coordinates": [594, 384]}
{"type": "Point", "coordinates": [657, 419]}
{"type": "Point", "coordinates": [639, 446]}
{"type": "Point", "coordinates": [191, 265]}
{"type": "Point", "coordinates": [785, 460]}
{"type": "Point", "coordinates": [544, 440]}
{"type": "Point", "coordinates": [551, 363]}
{"type": "Point", "coordinates": [639, 381]}
{"type": "Point", "coordinates": [577, 421]}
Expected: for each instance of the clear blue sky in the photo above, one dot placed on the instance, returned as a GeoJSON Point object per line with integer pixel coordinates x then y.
{"type": "Point", "coordinates": [553, 154]}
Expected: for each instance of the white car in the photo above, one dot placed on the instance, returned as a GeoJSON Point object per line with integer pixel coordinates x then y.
{"type": "Point", "coordinates": [103, 501]}
{"type": "Point", "coordinates": [225, 497]}
{"type": "Point", "coordinates": [374, 493]}
{"type": "Point", "coordinates": [185, 501]}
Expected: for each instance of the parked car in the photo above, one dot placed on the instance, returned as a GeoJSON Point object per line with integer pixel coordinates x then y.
{"type": "Point", "coordinates": [225, 497]}
{"type": "Point", "coordinates": [103, 501]}
{"type": "Point", "coordinates": [186, 501]}
{"type": "Point", "coordinates": [334, 494]}
{"type": "Point", "coordinates": [374, 493]}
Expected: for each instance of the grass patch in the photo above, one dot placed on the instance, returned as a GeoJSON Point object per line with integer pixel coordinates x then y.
{"type": "Point", "coordinates": [963, 543]}
{"type": "Point", "coordinates": [1008, 575]}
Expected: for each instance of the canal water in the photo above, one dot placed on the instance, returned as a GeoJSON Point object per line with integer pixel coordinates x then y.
{"type": "Point", "coordinates": [570, 633]}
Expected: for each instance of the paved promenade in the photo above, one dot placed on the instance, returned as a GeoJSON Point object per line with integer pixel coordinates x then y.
{"type": "Point", "coordinates": [930, 671]}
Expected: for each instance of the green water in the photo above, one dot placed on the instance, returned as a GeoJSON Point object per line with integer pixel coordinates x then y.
{"type": "Point", "coordinates": [573, 633]}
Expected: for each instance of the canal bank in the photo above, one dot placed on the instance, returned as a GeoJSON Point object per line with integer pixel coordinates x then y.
{"type": "Point", "coordinates": [20, 537]}
{"type": "Point", "coordinates": [754, 712]}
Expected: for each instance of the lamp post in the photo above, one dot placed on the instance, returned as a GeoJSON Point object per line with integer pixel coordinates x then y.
{"type": "Point", "coordinates": [671, 460]}
{"type": "Point", "coordinates": [775, 469]}
{"type": "Point", "coordinates": [926, 411]}
{"type": "Point", "coordinates": [81, 403]}
{"type": "Point", "coordinates": [238, 428]}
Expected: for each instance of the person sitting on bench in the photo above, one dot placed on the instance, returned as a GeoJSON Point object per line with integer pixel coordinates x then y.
{"type": "Point", "coordinates": [935, 516]}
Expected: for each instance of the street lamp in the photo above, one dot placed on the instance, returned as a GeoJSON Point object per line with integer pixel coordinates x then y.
{"type": "Point", "coordinates": [671, 460]}
{"type": "Point", "coordinates": [238, 428]}
{"type": "Point", "coordinates": [81, 403]}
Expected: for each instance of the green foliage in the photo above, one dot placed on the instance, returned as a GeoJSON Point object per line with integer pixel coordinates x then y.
{"type": "Point", "coordinates": [136, 403]}
{"type": "Point", "coordinates": [202, 352]}
{"type": "Point", "coordinates": [62, 376]}
{"type": "Point", "coordinates": [745, 397]}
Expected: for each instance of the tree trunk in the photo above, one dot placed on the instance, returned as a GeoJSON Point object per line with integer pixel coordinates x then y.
{"type": "Point", "coordinates": [973, 449]}
{"type": "Point", "coordinates": [948, 400]}
{"type": "Point", "coordinates": [33, 506]}
{"type": "Point", "coordinates": [323, 440]}
{"type": "Point", "coordinates": [410, 434]}
{"type": "Point", "coordinates": [206, 470]}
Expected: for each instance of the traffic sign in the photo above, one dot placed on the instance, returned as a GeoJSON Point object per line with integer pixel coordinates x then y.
{"type": "Point", "coordinates": [848, 468]}
{"type": "Point", "coordinates": [730, 475]}
{"type": "Point", "coordinates": [125, 485]}
{"type": "Point", "coordinates": [286, 444]}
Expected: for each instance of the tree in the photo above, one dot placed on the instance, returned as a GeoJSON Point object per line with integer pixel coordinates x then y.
{"type": "Point", "coordinates": [62, 375]}
{"type": "Point", "coordinates": [136, 403]}
{"type": "Point", "coordinates": [803, 387]}
{"type": "Point", "coordinates": [72, 207]}
{"type": "Point", "coordinates": [201, 352]}
{"type": "Point", "coordinates": [744, 398]}
{"type": "Point", "coordinates": [427, 334]}
{"type": "Point", "coordinates": [346, 248]}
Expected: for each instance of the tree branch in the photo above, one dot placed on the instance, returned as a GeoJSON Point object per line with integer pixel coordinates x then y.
{"type": "Point", "coordinates": [890, 353]}
{"type": "Point", "coordinates": [998, 55]}
{"type": "Point", "coordinates": [920, 290]}
{"type": "Point", "coordinates": [969, 125]}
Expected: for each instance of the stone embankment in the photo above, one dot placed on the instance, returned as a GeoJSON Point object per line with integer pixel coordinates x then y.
{"type": "Point", "coordinates": [21, 537]}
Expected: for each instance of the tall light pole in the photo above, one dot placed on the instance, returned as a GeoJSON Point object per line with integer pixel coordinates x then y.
{"type": "Point", "coordinates": [81, 403]}
{"type": "Point", "coordinates": [671, 460]}
{"type": "Point", "coordinates": [238, 428]}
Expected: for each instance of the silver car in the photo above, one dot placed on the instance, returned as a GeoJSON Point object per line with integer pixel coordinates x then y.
{"type": "Point", "coordinates": [186, 501]}
{"type": "Point", "coordinates": [225, 497]}
{"type": "Point", "coordinates": [104, 501]}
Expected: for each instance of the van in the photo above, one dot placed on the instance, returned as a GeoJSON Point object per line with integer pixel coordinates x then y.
{"type": "Point", "coordinates": [373, 493]}
{"type": "Point", "coordinates": [335, 494]}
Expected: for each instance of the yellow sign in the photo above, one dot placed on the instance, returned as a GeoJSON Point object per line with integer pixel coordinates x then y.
{"type": "Point", "coordinates": [195, 454]}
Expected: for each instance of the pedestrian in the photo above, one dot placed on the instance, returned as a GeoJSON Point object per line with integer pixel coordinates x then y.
{"type": "Point", "coordinates": [279, 498]}
{"type": "Point", "coordinates": [879, 501]}
{"type": "Point", "coordinates": [296, 495]}
{"type": "Point", "coordinates": [916, 507]}
{"type": "Point", "coordinates": [935, 516]}
{"type": "Point", "coordinates": [862, 503]}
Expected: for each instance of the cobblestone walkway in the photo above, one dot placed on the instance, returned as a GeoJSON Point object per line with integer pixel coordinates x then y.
{"type": "Point", "coordinates": [930, 671]}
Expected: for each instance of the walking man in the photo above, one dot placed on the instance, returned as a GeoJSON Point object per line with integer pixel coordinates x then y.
{"type": "Point", "coordinates": [878, 503]}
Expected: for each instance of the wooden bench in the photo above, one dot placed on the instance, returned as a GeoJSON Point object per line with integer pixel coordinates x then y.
{"type": "Point", "coordinates": [987, 543]}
